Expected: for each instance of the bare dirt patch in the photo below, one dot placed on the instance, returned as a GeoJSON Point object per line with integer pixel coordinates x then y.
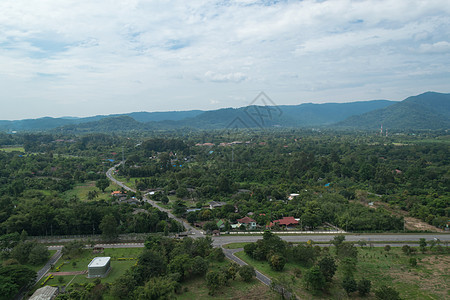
{"type": "Point", "coordinates": [411, 223]}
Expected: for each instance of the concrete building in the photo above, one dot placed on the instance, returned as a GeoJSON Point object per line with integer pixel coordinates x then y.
{"type": "Point", "coordinates": [99, 267]}
{"type": "Point", "coordinates": [45, 293]}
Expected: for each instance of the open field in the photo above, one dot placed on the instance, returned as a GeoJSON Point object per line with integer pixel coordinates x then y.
{"type": "Point", "coordinates": [428, 280]}
{"type": "Point", "coordinates": [118, 267]}
{"type": "Point", "coordinates": [196, 289]}
{"type": "Point", "coordinates": [81, 191]}
{"type": "Point", "coordinates": [12, 149]}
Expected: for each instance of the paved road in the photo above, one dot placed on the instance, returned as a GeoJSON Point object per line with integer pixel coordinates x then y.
{"type": "Point", "coordinates": [226, 239]}
{"type": "Point", "coordinates": [195, 233]}
{"type": "Point", "coordinates": [229, 253]}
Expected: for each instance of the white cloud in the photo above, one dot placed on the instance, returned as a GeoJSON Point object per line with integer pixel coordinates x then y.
{"type": "Point", "coordinates": [228, 77]}
{"type": "Point", "coordinates": [159, 55]}
{"type": "Point", "coordinates": [438, 47]}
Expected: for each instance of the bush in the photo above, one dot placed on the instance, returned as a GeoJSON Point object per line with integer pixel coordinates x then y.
{"type": "Point", "coordinates": [349, 285]}
{"type": "Point", "coordinates": [387, 293]}
{"type": "Point", "coordinates": [413, 261]}
{"type": "Point", "coordinates": [364, 286]}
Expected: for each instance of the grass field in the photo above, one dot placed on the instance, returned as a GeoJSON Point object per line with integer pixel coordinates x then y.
{"type": "Point", "coordinates": [81, 190]}
{"type": "Point", "coordinates": [238, 289]}
{"type": "Point", "coordinates": [117, 267]}
{"type": "Point", "coordinates": [196, 288]}
{"type": "Point", "coordinates": [12, 149]}
{"type": "Point", "coordinates": [428, 280]}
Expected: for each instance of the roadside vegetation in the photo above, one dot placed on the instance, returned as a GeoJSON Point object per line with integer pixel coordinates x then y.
{"type": "Point", "coordinates": [54, 184]}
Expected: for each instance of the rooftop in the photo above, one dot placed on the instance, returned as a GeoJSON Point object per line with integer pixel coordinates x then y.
{"type": "Point", "coordinates": [99, 261]}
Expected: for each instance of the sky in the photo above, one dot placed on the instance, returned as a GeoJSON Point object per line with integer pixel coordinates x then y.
{"type": "Point", "coordinates": [83, 57]}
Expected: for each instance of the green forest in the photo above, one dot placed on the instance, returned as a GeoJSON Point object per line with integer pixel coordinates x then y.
{"type": "Point", "coordinates": [55, 185]}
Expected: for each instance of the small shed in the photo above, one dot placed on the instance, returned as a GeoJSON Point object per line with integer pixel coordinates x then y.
{"type": "Point", "coordinates": [99, 267]}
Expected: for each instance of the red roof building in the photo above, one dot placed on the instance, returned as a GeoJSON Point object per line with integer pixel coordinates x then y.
{"type": "Point", "coordinates": [246, 220]}
{"type": "Point", "coordinates": [286, 221]}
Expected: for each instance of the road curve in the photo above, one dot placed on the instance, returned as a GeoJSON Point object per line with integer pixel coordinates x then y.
{"type": "Point", "coordinates": [195, 233]}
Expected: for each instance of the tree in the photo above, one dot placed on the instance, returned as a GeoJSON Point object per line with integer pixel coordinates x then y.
{"type": "Point", "coordinates": [363, 287]}
{"type": "Point", "coordinates": [92, 195]}
{"type": "Point", "coordinates": [413, 261]}
{"type": "Point", "coordinates": [217, 254]}
{"type": "Point", "coordinates": [277, 262]}
{"type": "Point", "coordinates": [102, 184]}
{"type": "Point", "coordinates": [423, 245]}
{"type": "Point", "coordinates": [21, 251]}
{"type": "Point", "coordinates": [38, 254]}
{"type": "Point", "coordinates": [304, 254]}
{"type": "Point", "coordinates": [349, 285]}
{"type": "Point", "coordinates": [108, 226]}
{"type": "Point", "coordinates": [159, 288]}
{"type": "Point", "coordinates": [181, 264]}
{"type": "Point", "coordinates": [12, 278]}
{"type": "Point", "coordinates": [213, 281]}
{"type": "Point", "coordinates": [348, 266]}
{"type": "Point", "coordinates": [314, 279]}
{"type": "Point", "coordinates": [247, 272]}
{"type": "Point", "coordinates": [150, 264]}
{"type": "Point", "coordinates": [327, 267]}
{"type": "Point", "coordinates": [387, 293]}
{"type": "Point", "coordinates": [199, 266]}
{"type": "Point", "coordinates": [387, 248]}
{"type": "Point", "coordinates": [406, 249]}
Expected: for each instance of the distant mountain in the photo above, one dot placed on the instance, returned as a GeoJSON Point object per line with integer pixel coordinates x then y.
{"type": "Point", "coordinates": [429, 110]}
{"type": "Point", "coordinates": [47, 123]}
{"type": "Point", "coordinates": [302, 115]}
{"type": "Point", "coordinates": [311, 114]}
{"type": "Point", "coordinates": [426, 111]}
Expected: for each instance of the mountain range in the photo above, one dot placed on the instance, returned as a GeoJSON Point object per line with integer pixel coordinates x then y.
{"type": "Point", "coordinates": [429, 110]}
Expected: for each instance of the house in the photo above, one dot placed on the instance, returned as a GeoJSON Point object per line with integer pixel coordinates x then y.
{"type": "Point", "coordinates": [292, 196]}
{"type": "Point", "coordinates": [248, 222]}
{"type": "Point", "coordinates": [215, 204]}
{"type": "Point", "coordinates": [220, 224]}
{"type": "Point", "coordinates": [118, 194]}
{"type": "Point", "coordinates": [285, 221]}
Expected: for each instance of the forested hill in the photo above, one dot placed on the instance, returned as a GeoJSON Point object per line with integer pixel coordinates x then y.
{"type": "Point", "coordinates": [426, 111]}
{"type": "Point", "coordinates": [302, 115]}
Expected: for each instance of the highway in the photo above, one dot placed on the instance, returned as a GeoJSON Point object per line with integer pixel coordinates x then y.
{"type": "Point", "coordinates": [379, 240]}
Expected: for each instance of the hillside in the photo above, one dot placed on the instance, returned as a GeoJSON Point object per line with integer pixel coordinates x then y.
{"type": "Point", "coordinates": [425, 111]}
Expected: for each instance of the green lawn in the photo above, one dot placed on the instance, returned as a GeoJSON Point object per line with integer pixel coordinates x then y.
{"type": "Point", "coordinates": [81, 190]}
{"type": "Point", "coordinates": [235, 245]}
{"type": "Point", "coordinates": [12, 149]}
{"type": "Point", "coordinates": [429, 280]}
{"type": "Point", "coordinates": [118, 267]}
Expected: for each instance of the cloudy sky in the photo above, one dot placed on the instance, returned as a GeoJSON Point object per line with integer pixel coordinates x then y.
{"type": "Point", "coordinates": [84, 57]}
